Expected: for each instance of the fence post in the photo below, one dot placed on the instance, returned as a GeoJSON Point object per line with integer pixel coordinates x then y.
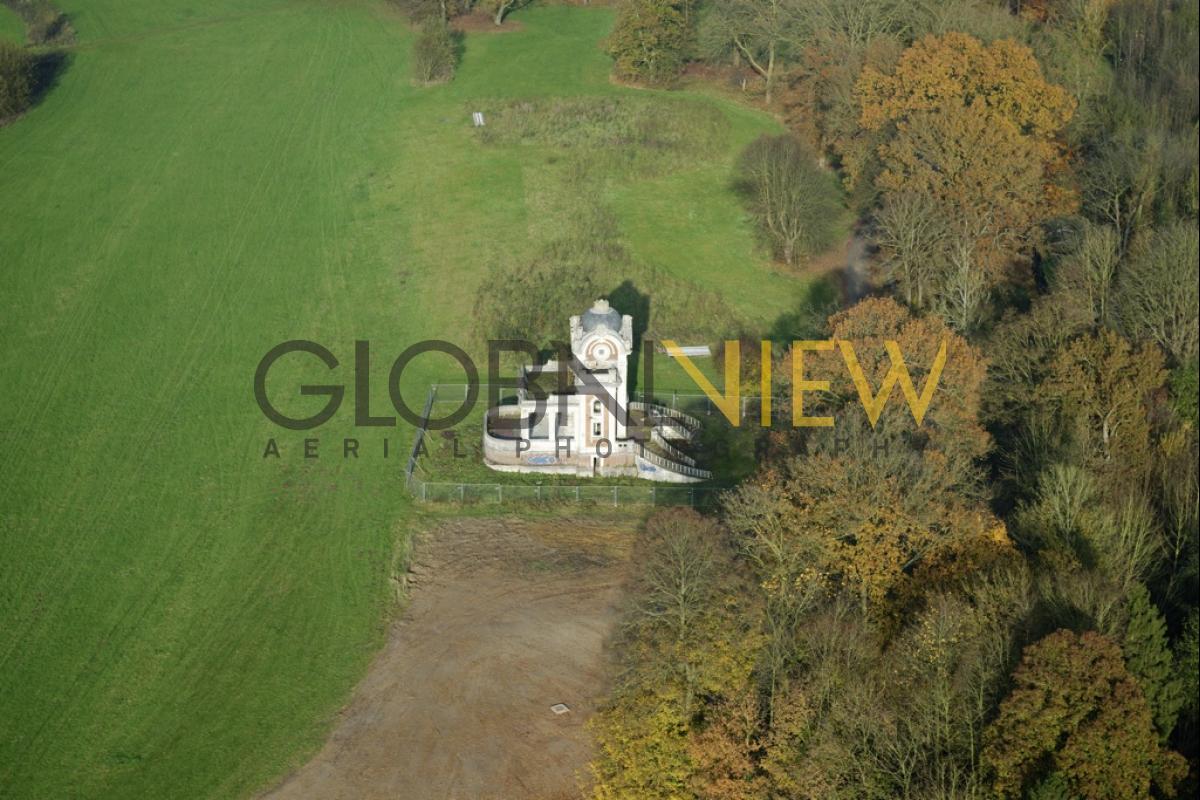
{"type": "Point", "coordinates": [576, 493]}
{"type": "Point", "coordinates": [691, 497]}
{"type": "Point", "coordinates": [462, 493]}
{"type": "Point", "coordinates": [614, 495]}
{"type": "Point", "coordinates": [499, 492]}
{"type": "Point", "coordinates": [422, 491]}
{"type": "Point", "coordinates": [674, 398]}
{"type": "Point", "coordinates": [653, 495]}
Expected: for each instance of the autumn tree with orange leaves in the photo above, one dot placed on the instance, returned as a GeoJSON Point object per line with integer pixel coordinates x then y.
{"type": "Point", "coordinates": [1077, 721]}
{"type": "Point", "coordinates": [975, 130]}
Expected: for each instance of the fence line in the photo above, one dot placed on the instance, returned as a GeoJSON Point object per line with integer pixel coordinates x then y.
{"type": "Point", "coordinates": [654, 494]}
{"type": "Point", "coordinates": [411, 466]}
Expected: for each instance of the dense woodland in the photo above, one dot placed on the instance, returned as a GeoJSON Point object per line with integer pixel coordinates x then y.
{"type": "Point", "coordinates": [1001, 602]}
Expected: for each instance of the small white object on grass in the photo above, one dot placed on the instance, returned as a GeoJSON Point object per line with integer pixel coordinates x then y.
{"type": "Point", "coordinates": [691, 351]}
{"type": "Point", "coordinates": [477, 119]}
{"type": "Point", "coordinates": [560, 708]}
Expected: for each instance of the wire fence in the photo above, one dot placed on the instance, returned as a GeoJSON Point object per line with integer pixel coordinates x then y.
{"type": "Point", "coordinates": [425, 489]}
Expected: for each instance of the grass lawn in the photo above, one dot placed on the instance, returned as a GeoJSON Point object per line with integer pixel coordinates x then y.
{"type": "Point", "coordinates": [12, 28]}
{"type": "Point", "coordinates": [178, 616]}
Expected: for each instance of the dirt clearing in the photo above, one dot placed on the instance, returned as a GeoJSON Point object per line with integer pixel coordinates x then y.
{"type": "Point", "coordinates": [507, 618]}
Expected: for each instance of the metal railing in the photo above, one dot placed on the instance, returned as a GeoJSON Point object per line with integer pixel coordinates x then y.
{"type": "Point", "coordinates": [672, 466]}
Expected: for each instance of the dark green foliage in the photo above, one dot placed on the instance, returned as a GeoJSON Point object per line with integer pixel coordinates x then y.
{"type": "Point", "coordinates": [1187, 654]}
{"type": "Point", "coordinates": [649, 41]}
{"type": "Point", "coordinates": [1148, 658]}
{"type": "Point", "coordinates": [1185, 388]}
{"type": "Point", "coordinates": [435, 52]}
{"type": "Point", "coordinates": [16, 79]}
{"type": "Point", "coordinates": [795, 203]}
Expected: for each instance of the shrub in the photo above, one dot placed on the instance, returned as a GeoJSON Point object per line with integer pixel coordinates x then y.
{"type": "Point", "coordinates": [16, 79]}
{"type": "Point", "coordinates": [794, 202]}
{"type": "Point", "coordinates": [434, 53]}
{"type": "Point", "coordinates": [44, 23]}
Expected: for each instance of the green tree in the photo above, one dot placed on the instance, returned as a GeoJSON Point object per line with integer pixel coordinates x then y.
{"type": "Point", "coordinates": [501, 8]}
{"type": "Point", "coordinates": [763, 32]}
{"type": "Point", "coordinates": [793, 200]}
{"type": "Point", "coordinates": [1159, 290]}
{"type": "Point", "coordinates": [1101, 386]}
{"type": "Point", "coordinates": [1088, 275]}
{"type": "Point", "coordinates": [434, 52]}
{"type": "Point", "coordinates": [649, 40]}
{"type": "Point", "coordinates": [1148, 657]}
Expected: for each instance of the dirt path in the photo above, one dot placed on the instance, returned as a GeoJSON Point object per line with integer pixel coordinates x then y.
{"type": "Point", "coordinates": [506, 619]}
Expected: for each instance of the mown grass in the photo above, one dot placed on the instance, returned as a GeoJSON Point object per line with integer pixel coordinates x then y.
{"type": "Point", "coordinates": [180, 617]}
{"type": "Point", "coordinates": [12, 27]}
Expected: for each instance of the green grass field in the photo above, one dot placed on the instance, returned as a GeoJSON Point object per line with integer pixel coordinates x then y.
{"type": "Point", "coordinates": [179, 617]}
{"type": "Point", "coordinates": [12, 29]}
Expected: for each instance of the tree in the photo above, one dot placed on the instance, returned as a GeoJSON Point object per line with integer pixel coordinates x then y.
{"type": "Point", "coordinates": [434, 52]}
{"type": "Point", "coordinates": [951, 426]}
{"type": "Point", "coordinates": [648, 40]}
{"type": "Point", "coordinates": [1149, 659]}
{"type": "Point", "coordinates": [1159, 290]}
{"type": "Point", "coordinates": [686, 645]}
{"type": "Point", "coordinates": [1075, 712]}
{"type": "Point", "coordinates": [500, 8]}
{"type": "Point", "coordinates": [793, 200]}
{"type": "Point", "coordinates": [762, 31]}
{"type": "Point", "coordinates": [16, 79]}
{"type": "Point", "coordinates": [975, 129]}
{"type": "Point", "coordinates": [1101, 386]}
{"type": "Point", "coordinates": [1088, 275]}
{"type": "Point", "coordinates": [911, 235]}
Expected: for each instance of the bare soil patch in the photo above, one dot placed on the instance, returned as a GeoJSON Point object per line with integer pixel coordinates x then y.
{"type": "Point", "coordinates": [507, 618]}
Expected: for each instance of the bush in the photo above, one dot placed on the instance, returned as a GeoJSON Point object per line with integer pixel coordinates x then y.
{"type": "Point", "coordinates": [434, 53]}
{"type": "Point", "coordinates": [795, 203]}
{"type": "Point", "coordinates": [16, 79]}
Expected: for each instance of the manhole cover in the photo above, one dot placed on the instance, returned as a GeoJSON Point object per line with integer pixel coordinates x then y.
{"type": "Point", "coordinates": [560, 708]}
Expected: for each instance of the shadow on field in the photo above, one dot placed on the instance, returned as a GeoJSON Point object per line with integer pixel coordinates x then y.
{"type": "Point", "coordinates": [48, 68]}
{"type": "Point", "coordinates": [628, 299]}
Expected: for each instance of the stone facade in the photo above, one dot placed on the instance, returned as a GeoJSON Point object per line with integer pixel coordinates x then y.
{"type": "Point", "coordinates": [585, 424]}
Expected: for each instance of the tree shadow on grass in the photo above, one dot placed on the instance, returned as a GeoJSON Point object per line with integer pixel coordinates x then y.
{"type": "Point", "coordinates": [810, 318]}
{"type": "Point", "coordinates": [48, 68]}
